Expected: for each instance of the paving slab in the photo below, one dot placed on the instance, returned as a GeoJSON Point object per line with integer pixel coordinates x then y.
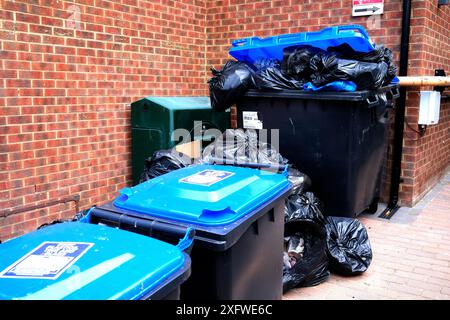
{"type": "Point", "coordinates": [411, 255]}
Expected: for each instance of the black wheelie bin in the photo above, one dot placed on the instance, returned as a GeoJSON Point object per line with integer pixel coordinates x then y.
{"type": "Point", "coordinates": [339, 139]}
{"type": "Point", "coordinates": [238, 217]}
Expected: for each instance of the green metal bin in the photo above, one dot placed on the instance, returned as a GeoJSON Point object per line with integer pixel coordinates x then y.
{"type": "Point", "coordinates": [154, 119]}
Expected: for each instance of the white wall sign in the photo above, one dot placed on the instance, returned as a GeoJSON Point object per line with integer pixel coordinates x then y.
{"type": "Point", "coordinates": [367, 7]}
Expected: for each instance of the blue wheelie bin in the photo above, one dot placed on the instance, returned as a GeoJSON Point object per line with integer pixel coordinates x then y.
{"type": "Point", "coordinates": [81, 261]}
{"type": "Point", "coordinates": [238, 217]}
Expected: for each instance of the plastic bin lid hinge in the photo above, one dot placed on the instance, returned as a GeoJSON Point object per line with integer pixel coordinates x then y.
{"type": "Point", "coordinates": [286, 171]}
{"type": "Point", "coordinates": [85, 217]}
{"type": "Point", "coordinates": [185, 244]}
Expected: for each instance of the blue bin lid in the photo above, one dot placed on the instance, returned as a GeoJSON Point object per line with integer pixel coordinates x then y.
{"type": "Point", "coordinates": [81, 261]}
{"type": "Point", "coordinates": [254, 48]}
{"type": "Point", "coordinates": [206, 195]}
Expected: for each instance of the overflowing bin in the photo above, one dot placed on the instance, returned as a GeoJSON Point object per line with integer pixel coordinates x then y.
{"type": "Point", "coordinates": [237, 214]}
{"type": "Point", "coordinates": [337, 138]}
{"type": "Point", "coordinates": [81, 261]}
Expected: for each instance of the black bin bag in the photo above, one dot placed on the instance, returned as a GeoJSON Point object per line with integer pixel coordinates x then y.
{"type": "Point", "coordinates": [296, 61]}
{"type": "Point", "coordinates": [348, 245]}
{"type": "Point", "coordinates": [300, 181]}
{"type": "Point", "coordinates": [239, 146]}
{"type": "Point", "coordinates": [328, 67]}
{"type": "Point", "coordinates": [230, 83]}
{"type": "Point", "coordinates": [164, 161]}
{"type": "Point", "coordinates": [304, 223]}
{"type": "Point", "coordinates": [270, 77]}
{"type": "Point", "coordinates": [379, 54]}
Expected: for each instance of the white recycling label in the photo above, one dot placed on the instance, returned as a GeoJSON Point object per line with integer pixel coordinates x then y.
{"type": "Point", "coordinates": [251, 121]}
{"type": "Point", "coordinates": [207, 177]}
{"type": "Point", "coordinates": [48, 261]}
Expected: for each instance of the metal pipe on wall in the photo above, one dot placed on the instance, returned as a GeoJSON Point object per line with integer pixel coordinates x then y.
{"type": "Point", "coordinates": [424, 81]}
{"type": "Point", "coordinates": [74, 198]}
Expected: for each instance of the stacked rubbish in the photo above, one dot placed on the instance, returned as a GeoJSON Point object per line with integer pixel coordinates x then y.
{"type": "Point", "coordinates": [339, 59]}
{"type": "Point", "coordinates": [235, 147]}
{"type": "Point", "coordinates": [339, 68]}
{"type": "Point", "coordinates": [314, 244]}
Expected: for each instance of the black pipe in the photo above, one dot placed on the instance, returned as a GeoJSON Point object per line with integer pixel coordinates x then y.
{"type": "Point", "coordinates": [400, 106]}
{"type": "Point", "coordinates": [74, 198]}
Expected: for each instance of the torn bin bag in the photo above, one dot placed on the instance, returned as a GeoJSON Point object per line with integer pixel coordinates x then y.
{"type": "Point", "coordinates": [348, 245]}
{"type": "Point", "coordinates": [304, 220]}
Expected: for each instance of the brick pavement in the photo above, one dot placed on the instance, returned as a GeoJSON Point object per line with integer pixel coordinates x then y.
{"type": "Point", "coordinates": [411, 255]}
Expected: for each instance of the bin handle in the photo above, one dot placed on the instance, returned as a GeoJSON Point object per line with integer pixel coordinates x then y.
{"type": "Point", "coordinates": [255, 165]}
{"type": "Point", "coordinates": [372, 103]}
{"type": "Point", "coordinates": [389, 101]}
{"type": "Point", "coordinates": [395, 93]}
{"type": "Point", "coordinates": [391, 95]}
{"type": "Point", "coordinates": [152, 228]}
{"type": "Point", "coordinates": [85, 216]}
{"type": "Point", "coordinates": [241, 42]}
{"type": "Point", "coordinates": [186, 243]}
{"type": "Point", "coordinates": [357, 27]}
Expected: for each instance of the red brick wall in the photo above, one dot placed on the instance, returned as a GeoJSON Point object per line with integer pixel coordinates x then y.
{"type": "Point", "coordinates": [233, 20]}
{"type": "Point", "coordinates": [424, 160]}
{"type": "Point", "coordinates": [65, 89]}
{"type": "Point", "coordinates": [69, 71]}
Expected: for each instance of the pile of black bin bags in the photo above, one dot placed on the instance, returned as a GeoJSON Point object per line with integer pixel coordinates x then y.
{"type": "Point", "coordinates": [314, 244]}
{"type": "Point", "coordinates": [338, 68]}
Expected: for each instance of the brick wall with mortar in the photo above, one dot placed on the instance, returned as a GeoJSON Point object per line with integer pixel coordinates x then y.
{"type": "Point", "coordinates": [69, 70]}
{"type": "Point", "coordinates": [236, 19]}
{"type": "Point", "coordinates": [425, 160]}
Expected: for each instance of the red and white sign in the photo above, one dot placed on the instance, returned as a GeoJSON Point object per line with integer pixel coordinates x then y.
{"type": "Point", "coordinates": [367, 7]}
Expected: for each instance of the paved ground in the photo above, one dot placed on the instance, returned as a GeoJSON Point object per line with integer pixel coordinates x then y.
{"type": "Point", "coordinates": [411, 255]}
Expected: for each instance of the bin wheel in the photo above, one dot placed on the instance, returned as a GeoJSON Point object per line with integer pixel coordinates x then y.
{"type": "Point", "coordinates": [373, 207]}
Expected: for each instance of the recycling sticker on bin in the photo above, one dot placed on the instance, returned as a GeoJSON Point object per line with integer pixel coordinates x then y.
{"type": "Point", "coordinates": [48, 261]}
{"type": "Point", "coordinates": [207, 177]}
{"type": "Point", "coordinates": [251, 121]}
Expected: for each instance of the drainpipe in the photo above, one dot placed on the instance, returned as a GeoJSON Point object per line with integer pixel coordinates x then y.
{"type": "Point", "coordinates": [392, 206]}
